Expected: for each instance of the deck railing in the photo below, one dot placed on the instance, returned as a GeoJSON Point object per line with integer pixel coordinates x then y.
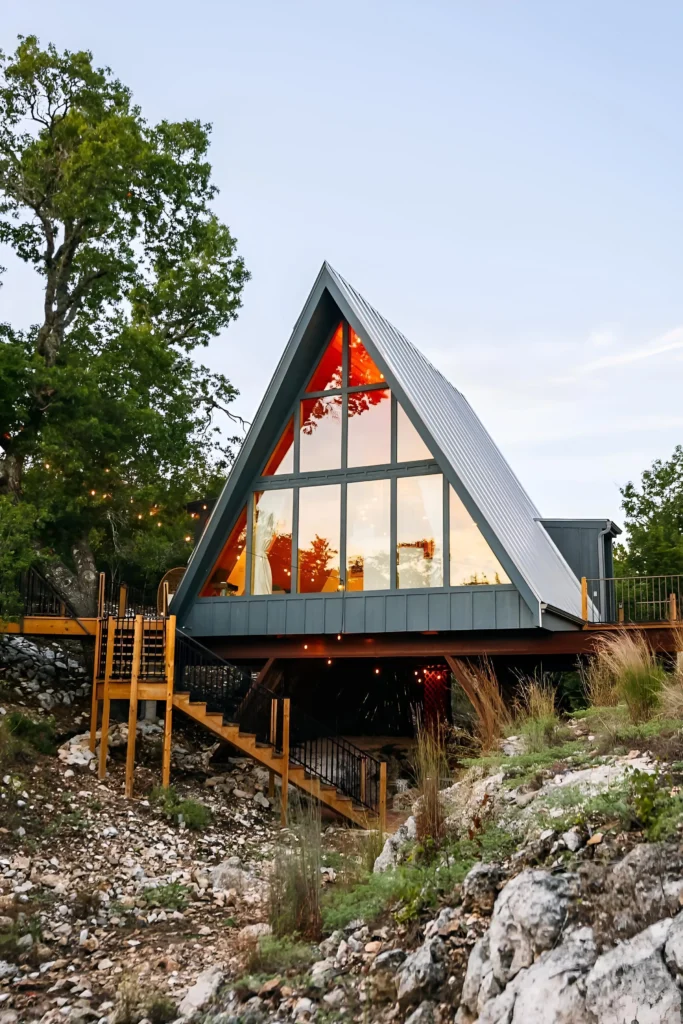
{"type": "Point", "coordinates": [39, 597]}
{"type": "Point", "coordinates": [632, 599]}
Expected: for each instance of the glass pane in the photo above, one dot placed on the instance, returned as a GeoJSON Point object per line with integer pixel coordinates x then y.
{"type": "Point", "coordinates": [282, 459]}
{"type": "Point", "coordinates": [419, 531]}
{"type": "Point", "coordinates": [369, 440]}
{"type": "Point", "coordinates": [367, 535]}
{"type": "Point", "coordinates": [328, 373]}
{"type": "Point", "coordinates": [320, 434]}
{"type": "Point", "coordinates": [472, 560]}
{"type": "Point", "coordinates": [319, 533]}
{"type": "Point", "coordinates": [271, 563]}
{"type": "Point", "coordinates": [362, 370]}
{"type": "Point", "coordinates": [227, 578]}
{"type": "Point", "coordinates": [409, 445]}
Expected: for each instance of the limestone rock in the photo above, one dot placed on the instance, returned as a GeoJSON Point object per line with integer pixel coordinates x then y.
{"type": "Point", "coordinates": [203, 990]}
{"type": "Point", "coordinates": [389, 857]}
{"type": "Point", "coordinates": [421, 972]}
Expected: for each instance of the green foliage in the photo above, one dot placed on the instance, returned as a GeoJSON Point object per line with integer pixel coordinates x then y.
{"type": "Point", "coordinates": [105, 414]}
{"type": "Point", "coordinates": [21, 738]}
{"type": "Point", "coordinates": [654, 520]}
{"type": "Point", "coordinates": [191, 813]}
{"type": "Point", "coordinates": [170, 896]}
{"type": "Point", "coordinates": [136, 1000]}
{"type": "Point", "coordinates": [658, 810]}
{"type": "Point", "coordinates": [278, 955]}
{"type": "Point", "coordinates": [17, 551]}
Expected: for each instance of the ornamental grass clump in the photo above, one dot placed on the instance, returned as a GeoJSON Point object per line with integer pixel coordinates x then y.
{"type": "Point", "coordinates": [480, 684]}
{"type": "Point", "coordinates": [294, 894]}
{"type": "Point", "coordinates": [637, 675]}
{"type": "Point", "coordinates": [431, 768]}
{"type": "Point", "coordinates": [536, 714]}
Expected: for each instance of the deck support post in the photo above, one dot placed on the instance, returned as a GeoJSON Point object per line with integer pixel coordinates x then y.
{"type": "Point", "coordinates": [673, 610]}
{"type": "Point", "coordinates": [106, 703]}
{"type": "Point", "coordinates": [123, 600]}
{"type": "Point", "coordinates": [363, 778]}
{"type": "Point", "coordinates": [584, 599]}
{"type": "Point", "coordinates": [94, 702]}
{"type": "Point", "coordinates": [284, 798]}
{"type": "Point", "coordinates": [273, 740]}
{"type": "Point", "coordinates": [170, 626]}
{"type": "Point", "coordinates": [382, 797]}
{"type": "Point", "coordinates": [133, 705]}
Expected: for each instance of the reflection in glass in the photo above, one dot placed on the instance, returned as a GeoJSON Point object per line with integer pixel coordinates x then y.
{"type": "Point", "coordinates": [367, 535]}
{"type": "Point", "coordinates": [282, 458]}
{"type": "Point", "coordinates": [369, 437]}
{"type": "Point", "coordinates": [319, 533]}
{"type": "Point", "coordinates": [472, 561]}
{"type": "Point", "coordinates": [419, 531]}
{"type": "Point", "coordinates": [227, 578]}
{"type": "Point", "coordinates": [320, 433]}
{"type": "Point", "coordinates": [409, 445]}
{"type": "Point", "coordinates": [328, 373]}
{"type": "Point", "coordinates": [271, 563]}
{"type": "Point", "coordinates": [362, 369]}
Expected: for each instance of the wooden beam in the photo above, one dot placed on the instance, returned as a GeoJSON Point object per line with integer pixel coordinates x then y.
{"type": "Point", "coordinates": [133, 705]}
{"type": "Point", "coordinates": [272, 736]}
{"type": "Point", "coordinates": [106, 699]}
{"type": "Point", "coordinates": [168, 716]}
{"type": "Point", "coordinates": [382, 797]}
{"type": "Point", "coordinates": [94, 705]}
{"type": "Point", "coordinates": [51, 625]}
{"type": "Point", "coordinates": [584, 599]}
{"type": "Point", "coordinates": [284, 799]}
{"type": "Point", "coordinates": [120, 690]}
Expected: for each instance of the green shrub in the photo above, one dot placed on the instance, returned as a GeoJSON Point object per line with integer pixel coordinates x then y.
{"type": "Point", "coordinates": [274, 955]}
{"type": "Point", "coordinates": [135, 1001]}
{"type": "Point", "coordinates": [171, 896]}
{"type": "Point", "coordinates": [21, 738]}
{"type": "Point", "coordinates": [191, 813]}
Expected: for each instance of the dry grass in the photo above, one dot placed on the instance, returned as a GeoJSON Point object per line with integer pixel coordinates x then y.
{"type": "Point", "coordinates": [480, 685]}
{"type": "Point", "coordinates": [599, 684]}
{"type": "Point", "coordinates": [628, 659]}
{"type": "Point", "coordinates": [671, 695]}
{"type": "Point", "coordinates": [431, 767]}
{"type": "Point", "coordinates": [536, 714]}
{"type": "Point", "coordinates": [294, 896]}
{"type": "Point", "coordinates": [137, 1000]}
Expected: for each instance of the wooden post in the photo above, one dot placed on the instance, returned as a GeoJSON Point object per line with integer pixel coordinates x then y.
{"type": "Point", "coordinates": [620, 615]}
{"type": "Point", "coordinates": [285, 761]}
{"type": "Point", "coordinates": [133, 705]}
{"type": "Point", "coordinates": [101, 591]}
{"type": "Point", "coordinates": [123, 600]}
{"type": "Point", "coordinates": [170, 628]}
{"type": "Point", "coordinates": [363, 778]}
{"type": "Point", "coordinates": [584, 599]}
{"type": "Point", "coordinates": [94, 703]}
{"type": "Point", "coordinates": [273, 741]}
{"type": "Point", "coordinates": [104, 731]}
{"type": "Point", "coordinates": [165, 599]}
{"type": "Point", "coordinates": [382, 797]}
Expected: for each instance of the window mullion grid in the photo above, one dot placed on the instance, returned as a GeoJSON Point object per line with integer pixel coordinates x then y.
{"type": "Point", "coordinates": [393, 550]}
{"type": "Point", "coordinates": [295, 542]}
{"type": "Point", "coordinates": [250, 543]}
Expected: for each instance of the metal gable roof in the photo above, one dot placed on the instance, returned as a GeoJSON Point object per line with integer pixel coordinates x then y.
{"type": "Point", "coordinates": [503, 510]}
{"type": "Point", "coordinates": [465, 443]}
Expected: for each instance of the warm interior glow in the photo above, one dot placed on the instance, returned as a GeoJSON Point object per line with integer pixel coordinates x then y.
{"type": "Point", "coordinates": [367, 535]}
{"type": "Point", "coordinates": [409, 445]}
{"type": "Point", "coordinates": [228, 576]}
{"type": "Point", "coordinates": [282, 458]}
{"type": "Point", "coordinates": [271, 563]}
{"type": "Point", "coordinates": [319, 539]}
{"type": "Point", "coordinates": [362, 370]}
{"type": "Point", "coordinates": [419, 531]}
{"type": "Point", "coordinates": [320, 433]}
{"type": "Point", "coordinates": [369, 435]}
{"type": "Point", "coordinates": [472, 561]}
{"type": "Point", "coordinates": [328, 372]}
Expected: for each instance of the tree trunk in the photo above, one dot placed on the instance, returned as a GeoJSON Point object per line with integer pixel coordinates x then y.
{"type": "Point", "coordinates": [78, 588]}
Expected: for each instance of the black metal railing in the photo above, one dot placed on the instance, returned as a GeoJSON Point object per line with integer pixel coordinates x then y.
{"type": "Point", "coordinates": [125, 602]}
{"type": "Point", "coordinates": [633, 599]}
{"type": "Point", "coordinates": [334, 760]}
{"type": "Point", "coordinates": [39, 597]}
{"type": "Point", "coordinates": [208, 678]}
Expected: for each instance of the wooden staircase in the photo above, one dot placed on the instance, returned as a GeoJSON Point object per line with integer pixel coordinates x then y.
{"type": "Point", "coordinates": [144, 658]}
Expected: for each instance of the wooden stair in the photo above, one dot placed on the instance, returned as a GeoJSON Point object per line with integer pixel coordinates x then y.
{"type": "Point", "coordinates": [267, 756]}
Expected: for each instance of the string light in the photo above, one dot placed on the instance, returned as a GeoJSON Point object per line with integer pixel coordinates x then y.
{"type": "Point", "coordinates": [329, 661]}
{"type": "Point", "coordinates": [188, 539]}
{"type": "Point", "coordinates": [93, 493]}
{"type": "Point", "coordinates": [338, 636]}
{"type": "Point", "coordinates": [159, 524]}
{"type": "Point", "coordinates": [305, 647]}
{"type": "Point", "coordinates": [376, 671]}
{"type": "Point", "coordinates": [47, 465]}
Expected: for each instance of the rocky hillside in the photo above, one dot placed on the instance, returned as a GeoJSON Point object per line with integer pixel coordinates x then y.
{"type": "Point", "coordinates": [550, 891]}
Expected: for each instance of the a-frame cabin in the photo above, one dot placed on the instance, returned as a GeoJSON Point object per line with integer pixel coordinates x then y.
{"type": "Point", "coordinates": [370, 529]}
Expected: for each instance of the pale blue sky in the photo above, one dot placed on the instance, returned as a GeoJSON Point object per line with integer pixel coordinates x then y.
{"type": "Point", "coordinates": [501, 180]}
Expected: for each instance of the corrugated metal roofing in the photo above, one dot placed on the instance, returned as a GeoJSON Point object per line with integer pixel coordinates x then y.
{"type": "Point", "coordinates": [462, 438]}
